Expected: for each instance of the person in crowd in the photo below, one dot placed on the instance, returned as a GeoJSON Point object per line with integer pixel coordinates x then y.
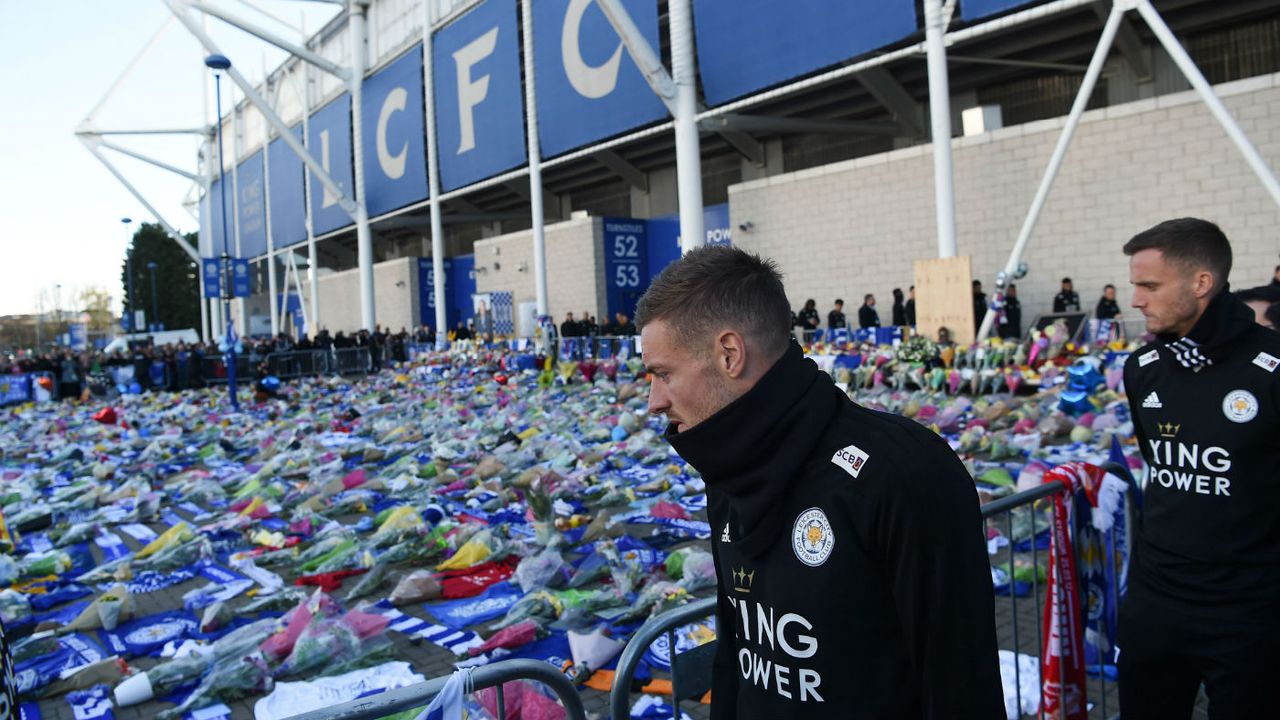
{"type": "Point", "coordinates": [899, 310]}
{"type": "Point", "coordinates": [1264, 301]}
{"type": "Point", "coordinates": [589, 327]}
{"type": "Point", "coordinates": [979, 305]}
{"type": "Point", "coordinates": [819, 508]}
{"type": "Point", "coordinates": [622, 326]}
{"type": "Point", "coordinates": [1066, 300]}
{"type": "Point", "coordinates": [867, 315]}
{"type": "Point", "coordinates": [1108, 308]}
{"type": "Point", "coordinates": [809, 315]}
{"type": "Point", "coordinates": [323, 340]}
{"type": "Point", "coordinates": [1275, 276]}
{"type": "Point", "coordinates": [910, 307]}
{"type": "Point", "coordinates": [1011, 320]}
{"type": "Point", "coordinates": [1204, 396]}
{"type": "Point", "coordinates": [462, 332]}
{"type": "Point", "coordinates": [835, 318]}
{"type": "Point", "coordinates": [570, 327]}
{"type": "Point", "coordinates": [423, 336]}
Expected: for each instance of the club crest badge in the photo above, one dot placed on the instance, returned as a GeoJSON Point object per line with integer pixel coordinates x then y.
{"type": "Point", "coordinates": [1240, 406]}
{"type": "Point", "coordinates": [812, 538]}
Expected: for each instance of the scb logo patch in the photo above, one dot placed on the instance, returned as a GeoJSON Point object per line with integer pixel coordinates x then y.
{"type": "Point", "coordinates": [812, 538]}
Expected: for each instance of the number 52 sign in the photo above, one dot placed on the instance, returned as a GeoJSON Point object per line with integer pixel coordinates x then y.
{"type": "Point", "coordinates": [626, 263]}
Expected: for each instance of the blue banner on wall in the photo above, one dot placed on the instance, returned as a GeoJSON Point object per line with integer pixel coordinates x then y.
{"type": "Point", "coordinates": [974, 9]}
{"type": "Point", "coordinates": [212, 269]}
{"type": "Point", "coordinates": [330, 135]}
{"type": "Point", "coordinates": [251, 207]}
{"type": "Point", "coordinates": [394, 140]}
{"type": "Point", "coordinates": [288, 211]}
{"type": "Point", "coordinates": [588, 86]}
{"type": "Point", "coordinates": [625, 264]}
{"type": "Point", "coordinates": [460, 285]}
{"type": "Point", "coordinates": [746, 45]}
{"type": "Point", "coordinates": [240, 284]}
{"type": "Point", "coordinates": [479, 106]}
{"type": "Point", "coordinates": [663, 242]}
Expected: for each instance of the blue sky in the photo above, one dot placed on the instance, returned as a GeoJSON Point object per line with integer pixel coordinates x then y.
{"type": "Point", "coordinates": [61, 208]}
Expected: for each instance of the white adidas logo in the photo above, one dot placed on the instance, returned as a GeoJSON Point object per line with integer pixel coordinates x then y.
{"type": "Point", "coordinates": [1152, 401]}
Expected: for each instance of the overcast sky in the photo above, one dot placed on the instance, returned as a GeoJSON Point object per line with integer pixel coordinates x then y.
{"type": "Point", "coordinates": [60, 208]}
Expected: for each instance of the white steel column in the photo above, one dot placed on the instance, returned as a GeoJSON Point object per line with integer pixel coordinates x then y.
{"type": "Point", "coordinates": [271, 243]}
{"type": "Point", "coordinates": [1060, 151]}
{"type": "Point", "coordinates": [688, 149]}
{"type": "Point", "coordinates": [1202, 87]}
{"type": "Point", "coordinates": [242, 323]}
{"type": "Point", "coordinates": [433, 179]}
{"type": "Point", "coordinates": [935, 29]}
{"type": "Point", "coordinates": [313, 262]}
{"type": "Point", "coordinates": [535, 161]}
{"type": "Point", "coordinates": [356, 10]}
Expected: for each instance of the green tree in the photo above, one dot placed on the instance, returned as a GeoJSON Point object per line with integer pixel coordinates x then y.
{"type": "Point", "coordinates": [177, 286]}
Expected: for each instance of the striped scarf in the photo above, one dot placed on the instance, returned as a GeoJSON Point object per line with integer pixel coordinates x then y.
{"type": "Point", "coordinates": [1187, 352]}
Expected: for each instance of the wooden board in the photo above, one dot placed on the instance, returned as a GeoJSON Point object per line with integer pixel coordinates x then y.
{"type": "Point", "coordinates": [944, 298]}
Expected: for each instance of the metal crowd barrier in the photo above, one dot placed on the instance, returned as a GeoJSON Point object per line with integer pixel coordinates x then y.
{"type": "Point", "coordinates": [692, 676]}
{"type": "Point", "coordinates": [213, 368]}
{"type": "Point", "coordinates": [690, 670]}
{"type": "Point", "coordinates": [352, 361]}
{"type": "Point", "coordinates": [494, 675]}
{"type": "Point", "coordinates": [598, 347]}
{"type": "Point", "coordinates": [298, 363]}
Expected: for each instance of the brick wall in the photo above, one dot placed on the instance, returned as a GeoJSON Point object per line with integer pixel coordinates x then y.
{"type": "Point", "coordinates": [855, 227]}
{"type": "Point", "coordinates": [575, 268]}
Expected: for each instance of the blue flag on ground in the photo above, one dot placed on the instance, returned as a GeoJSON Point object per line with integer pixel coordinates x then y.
{"type": "Point", "coordinates": [91, 704]}
{"type": "Point", "coordinates": [74, 650]}
{"type": "Point", "coordinates": [148, 635]}
{"type": "Point", "coordinates": [494, 602]}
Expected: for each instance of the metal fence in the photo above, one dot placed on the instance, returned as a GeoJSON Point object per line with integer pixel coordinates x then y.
{"type": "Point", "coordinates": [691, 670]}
{"type": "Point", "coordinates": [494, 675]}
{"type": "Point", "coordinates": [290, 365]}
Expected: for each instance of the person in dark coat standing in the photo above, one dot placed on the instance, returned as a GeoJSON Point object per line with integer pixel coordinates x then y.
{"type": "Point", "coordinates": [835, 318]}
{"type": "Point", "coordinates": [1066, 300]}
{"type": "Point", "coordinates": [1108, 308]}
{"type": "Point", "coordinates": [867, 315]}
{"type": "Point", "coordinates": [910, 307]}
{"type": "Point", "coordinates": [899, 309]}
{"type": "Point", "coordinates": [1011, 320]}
{"type": "Point", "coordinates": [979, 304]}
{"type": "Point", "coordinates": [809, 315]}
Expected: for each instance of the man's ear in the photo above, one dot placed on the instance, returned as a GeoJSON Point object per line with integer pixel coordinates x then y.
{"type": "Point", "coordinates": [1202, 283]}
{"type": "Point", "coordinates": [731, 354]}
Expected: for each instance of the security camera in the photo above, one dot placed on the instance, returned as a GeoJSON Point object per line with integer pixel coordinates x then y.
{"type": "Point", "coordinates": [747, 226]}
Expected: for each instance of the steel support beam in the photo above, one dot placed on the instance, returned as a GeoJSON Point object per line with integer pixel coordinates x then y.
{"type": "Point", "coordinates": [886, 89]}
{"type": "Point", "coordinates": [1129, 42]}
{"type": "Point", "coordinates": [634, 176]}
{"type": "Point", "coordinates": [766, 124]}
{"type": "Point", "coordinates": [258, 31]}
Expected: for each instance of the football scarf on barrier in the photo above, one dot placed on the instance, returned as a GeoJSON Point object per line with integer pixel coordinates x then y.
{"type": "Point", "coordinates": [1064, 655]}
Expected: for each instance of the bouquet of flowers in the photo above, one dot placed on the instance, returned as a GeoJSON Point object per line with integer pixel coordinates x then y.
{"type": "Point", "coordinates": [918, 349]}
{"type": "Point", "coordinates": [230, 679]}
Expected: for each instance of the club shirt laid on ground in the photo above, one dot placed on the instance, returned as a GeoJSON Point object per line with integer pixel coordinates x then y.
{"type": "Point", "coordinates": [853, 578]}
{"type": "Point", "coordinates": [1206, 412]}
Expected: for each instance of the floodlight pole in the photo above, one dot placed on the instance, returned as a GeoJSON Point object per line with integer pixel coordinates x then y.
{"type": "Point", "coordinates": [535, 163]}
{"type": "Point", "coordinates": [935, 32]}
{"type": "Point", "coordinates": [218, 62]}
{"type": "Point", "coordinates": [433, 180]}
{"type": "Point", "coordinates": [155, 309]}
{"type": "Point", "coordinates": [129, 270]}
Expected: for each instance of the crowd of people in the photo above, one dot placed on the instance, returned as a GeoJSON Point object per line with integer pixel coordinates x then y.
{"type": "Point", "coordinates": [586, 326]}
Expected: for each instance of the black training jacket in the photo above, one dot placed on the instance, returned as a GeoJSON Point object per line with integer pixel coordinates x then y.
{"type": "Point", "coordinates": [1210, 526]}
{"type": "Point", "coordinates": [853, 576]}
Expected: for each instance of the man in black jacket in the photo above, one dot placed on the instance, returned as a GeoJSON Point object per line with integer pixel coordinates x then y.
{"type": "Point", "coordinates": [1067, 300]}
{"type": "Point", "coordinates": [1204, 583]}
{"type": "Point", "coordinates": [867, 315]}
{"type": "Point", "coordinates": [835, 318]}
{"type": "Point", "coordinates": [853, 581]}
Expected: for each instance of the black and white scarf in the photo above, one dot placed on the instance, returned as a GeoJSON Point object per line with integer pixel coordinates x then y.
{"type": "Point", "coordinates": [1187, 352]}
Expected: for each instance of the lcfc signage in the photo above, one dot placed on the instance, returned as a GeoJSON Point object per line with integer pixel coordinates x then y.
{"type": "Point", "coordinates": [747, 45]}
{"type": "Point", "coordinates": [588, 86]}
{"type": "Point", "coordinates": [395, 173]}
{"type": "Point", "coordinates": [288, 208]}
{"type": "Point", "coordinates": [479, 111]}
{"type": "Point", "coordinates": [251, 207]}
{"type": "Point", "coordinates": [330, 135]}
